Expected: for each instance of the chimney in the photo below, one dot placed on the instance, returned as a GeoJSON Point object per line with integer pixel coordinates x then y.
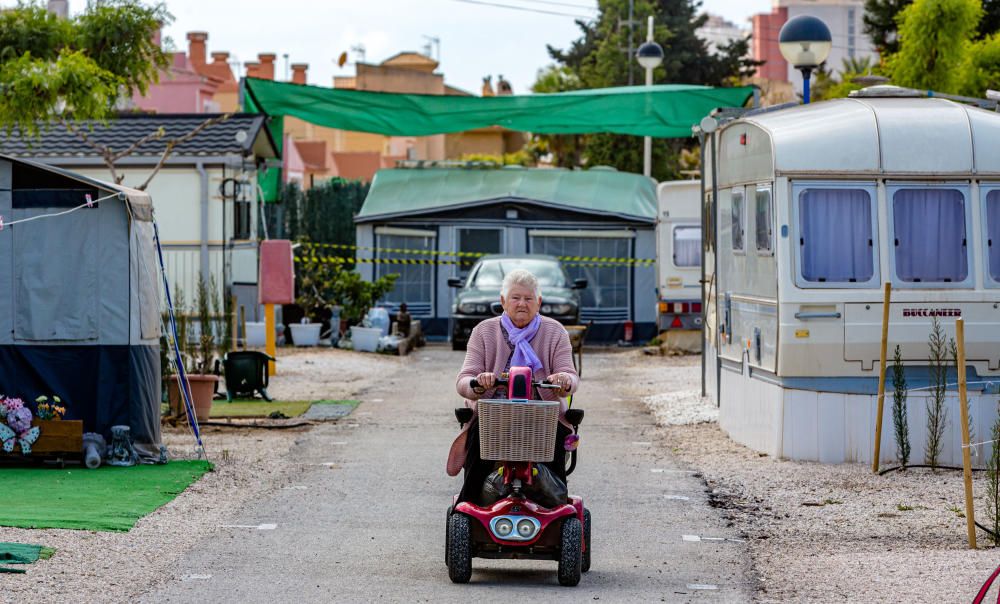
{"type": "Point", "coordinates": [59, 8]}
{"type": "Point", "coordinates": [253, 69]}
{"type": "Point", "coordinates": [267, 65]}
{"type": "Point", "coordinates": [299, 73]}
{"type": "Point", "coordinates": [220, 57]}
{"type": "Point", "coordinates": [196, 47]}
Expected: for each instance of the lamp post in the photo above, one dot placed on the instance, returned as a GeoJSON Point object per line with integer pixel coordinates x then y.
{"type": "Point", "coordinates": [649, 55]}
{"type": "Point", "coordinates": [805, 42]}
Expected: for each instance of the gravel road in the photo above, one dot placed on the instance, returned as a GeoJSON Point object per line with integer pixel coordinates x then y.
{"type": "Point", "coordinates": [361, 514]}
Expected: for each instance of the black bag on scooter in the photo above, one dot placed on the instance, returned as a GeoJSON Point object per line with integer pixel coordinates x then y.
{"type": "Point", "coordinates": [546, 489]}
{"type": "Point", "coordinates": [493, 489]}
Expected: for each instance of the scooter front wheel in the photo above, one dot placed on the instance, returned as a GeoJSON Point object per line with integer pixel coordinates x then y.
{"type": "Point", "coordinates": [585, 566]}
{"type": "Point", "coordinates": [447, 534]}
{"type": "Point", "coordinates": [459, 552]}
{"type": "Point", "coordinates": [571, 555]}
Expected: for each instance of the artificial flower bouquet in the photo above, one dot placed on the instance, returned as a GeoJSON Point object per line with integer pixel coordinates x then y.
{"type": "Point", "coordinates": [50, 411]}
{"type": "Point", "coordinates": [15, 425]}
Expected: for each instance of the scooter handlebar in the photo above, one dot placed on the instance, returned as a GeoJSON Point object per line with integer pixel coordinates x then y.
{"type": "Point", "coordinates": [503, 382]}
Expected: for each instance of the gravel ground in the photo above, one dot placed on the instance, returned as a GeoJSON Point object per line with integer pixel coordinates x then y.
{"type": "Point", "coordinates": [92, 566]}
{"type": "Point", "coordinates": [815, 532]}
{"type": "Point", "coordinates": [823, 532]}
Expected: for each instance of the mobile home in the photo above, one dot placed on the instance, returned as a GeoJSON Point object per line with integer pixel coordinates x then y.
{"type": "Point", "coordinates": [599, 221]}
{"type": "Point", "coordinates": [678, 255]}
{"type": "Point", "coordinates": [813, 209]}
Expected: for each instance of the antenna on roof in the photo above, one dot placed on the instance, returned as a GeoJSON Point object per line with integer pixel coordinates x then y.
{"type": "Point", "coordinates": [359, 50]}
{"type": "Point", "coordinates": [435, 42]}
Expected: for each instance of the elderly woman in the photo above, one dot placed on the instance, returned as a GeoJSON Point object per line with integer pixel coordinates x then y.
{"type": "Point", "coordinates": [520, 337]}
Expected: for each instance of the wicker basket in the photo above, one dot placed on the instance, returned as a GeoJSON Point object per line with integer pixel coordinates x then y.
{"type": "Point", "coordinates": [517, 430]}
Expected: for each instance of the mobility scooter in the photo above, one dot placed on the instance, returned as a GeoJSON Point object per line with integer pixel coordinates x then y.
{"type": "Point", "coordinates": [519, 435]}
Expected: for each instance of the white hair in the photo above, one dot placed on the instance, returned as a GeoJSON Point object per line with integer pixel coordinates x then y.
{"type": "Point", "coordinates": [520, 277]}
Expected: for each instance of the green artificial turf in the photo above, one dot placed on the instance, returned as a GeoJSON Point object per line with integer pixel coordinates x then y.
{"type": "Point", "coordinates": [22, 553]}
{"type": "Point", "coordinates": [106, 499]}
{"type": "Point", "coordinates": [259, 408]}
{"type": "Point", "coordinates": [352, 403]}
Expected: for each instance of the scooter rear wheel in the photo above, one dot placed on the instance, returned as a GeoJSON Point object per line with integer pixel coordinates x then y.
{"type": "Point", "coordinates": [570, 556]}
{"type": "Point", "coordinates": [460, 548]}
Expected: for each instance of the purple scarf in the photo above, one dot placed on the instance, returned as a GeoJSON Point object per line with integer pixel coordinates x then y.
{"type": "Point", "coordinates": [520, 339]}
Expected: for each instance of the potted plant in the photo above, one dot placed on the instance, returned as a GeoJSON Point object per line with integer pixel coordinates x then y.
{"type": "Point", "coordinates": [198, 355]}
{"type": "Point", "coordinates": [315, 282]}
{"type": "Point", "coordinates": [356, 297]}
{"type": "Point", "coordinates": [57, 435]}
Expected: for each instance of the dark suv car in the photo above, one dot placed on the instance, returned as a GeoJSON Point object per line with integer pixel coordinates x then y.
{"type": "Point", "coordinates": [479, 296]}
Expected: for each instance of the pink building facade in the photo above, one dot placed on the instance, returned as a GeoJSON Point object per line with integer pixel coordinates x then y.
{"type": "Point", "coordinates": [766, 27]}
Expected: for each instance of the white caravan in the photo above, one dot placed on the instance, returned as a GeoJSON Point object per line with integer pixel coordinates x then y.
{"type": "Point", "coordinates": [678, 255]}
{"type": "Point", "coordinates": [819, 205]}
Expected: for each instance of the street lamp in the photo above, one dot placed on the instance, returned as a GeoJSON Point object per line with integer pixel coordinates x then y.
{"type": "Point", "coordinates": [649, 55]}
{"type": "Point", "coordinates": [805, 42]}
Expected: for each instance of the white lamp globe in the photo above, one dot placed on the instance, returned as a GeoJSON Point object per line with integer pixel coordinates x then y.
{"type": "Point", "coordinates": [649, 55]}
{"type": "Point", "coordinates": [805, 41]}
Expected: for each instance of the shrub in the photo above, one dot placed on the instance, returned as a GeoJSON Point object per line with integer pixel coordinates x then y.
{"type": "Point", "coordinates": [899, 409]}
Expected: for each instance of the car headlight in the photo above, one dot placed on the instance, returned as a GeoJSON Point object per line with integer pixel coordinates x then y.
{"type": "Point", "coordinates": [562, 309]}
{"type": "Point", "coordinates": [471, 308]}
{"type": "Point", "coordinates": [546, 309]}
{"type": "Point", "coordinates": [481, 309]}
{"type": "Point", "coordinates": [525, 528]}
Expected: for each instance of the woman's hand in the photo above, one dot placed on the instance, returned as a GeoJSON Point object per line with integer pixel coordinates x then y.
{"type": "Point", "coordinates": [486, 380]}
{"type": "Point", "coordinates": [563, 380]}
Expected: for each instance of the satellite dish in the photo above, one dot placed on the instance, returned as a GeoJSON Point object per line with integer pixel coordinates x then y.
{"type": "Point", "coordinates": [241, 136]}
{"type": "Point", "coordinates": [708, 124]}
{"type": "Point", "coordinates": [342, 59]}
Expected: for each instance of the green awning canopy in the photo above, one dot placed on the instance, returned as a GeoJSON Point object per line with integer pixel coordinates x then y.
{"type": "Point", "coordinates": [403, 192]}
{"type": "Point", "coordinates": [662, 111]}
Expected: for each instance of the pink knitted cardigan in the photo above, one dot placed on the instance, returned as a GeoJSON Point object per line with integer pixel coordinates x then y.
{"type": "Point", "coordinates": [488, 350]}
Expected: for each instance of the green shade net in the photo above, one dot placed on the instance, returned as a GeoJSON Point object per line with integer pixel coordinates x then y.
{"type": "Point", "coordinates": [598, 191]}
{"type": "Point", "coordinates": [105, 499]}
{"type": "Point", "coordinates": [662, 111]}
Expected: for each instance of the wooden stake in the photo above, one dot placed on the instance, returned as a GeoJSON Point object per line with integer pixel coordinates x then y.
{"type": "Point", "coordinates": [270, 344]}
{"type": "Point", "coordinates": [963, 401]}
{"type": "Point", "coordinates": [881, 375]}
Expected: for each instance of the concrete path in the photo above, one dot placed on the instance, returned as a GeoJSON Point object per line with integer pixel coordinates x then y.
{"type": "Point", "coordinates": [364, 518]}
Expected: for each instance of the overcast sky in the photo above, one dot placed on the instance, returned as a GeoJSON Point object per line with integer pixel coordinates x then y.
{"type": "Point", "coordinates": [476, 39]}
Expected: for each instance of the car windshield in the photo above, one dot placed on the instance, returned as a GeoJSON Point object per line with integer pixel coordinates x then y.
{"type": "Point", "coordinates": [491, 272]}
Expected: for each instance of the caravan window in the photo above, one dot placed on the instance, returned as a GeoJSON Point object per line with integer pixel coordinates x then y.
{"type": "Point", "coordinates": [835, 235]}
{"type": "Point", "coordinates": [765, 233]}
{"type": "Point", "coordinates": [737, 213]}
{"type": "Point", "coordinates": [993, 232]}
{"type": "Point", "coordinates": [687, 246]}
{"type": "Point", "coordinates": [930, 237]}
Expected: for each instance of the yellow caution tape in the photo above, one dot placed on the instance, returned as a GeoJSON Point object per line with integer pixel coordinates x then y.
{"type": "Point", "coordinates": [601, 260]}
{"type": "Point", "coordinates": [418, 261]}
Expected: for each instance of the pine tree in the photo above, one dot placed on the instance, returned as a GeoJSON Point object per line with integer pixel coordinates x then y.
{"type": "Point", "coordinates": [937, 414]}
{"type": "Point", "coordinates": [600, 59]}
{"type": "Point", "coordinates": [991, 19]}
{"type": "Point", "coordinates": [899, 409]}
{"type": "Point", "coordinates": [993, 485]}
{"type": "Point", "coordinates": [880, 24]}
